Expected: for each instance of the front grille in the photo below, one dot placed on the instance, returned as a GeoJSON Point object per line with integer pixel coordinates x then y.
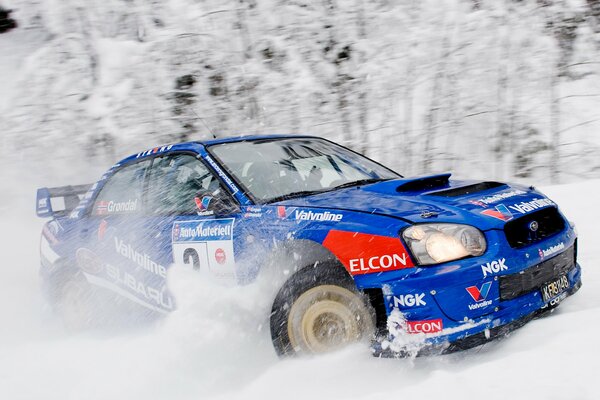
{"type": "Point", "coordinates": [519, 233]}
{"type": "Point", "coordinates": [515, 285]}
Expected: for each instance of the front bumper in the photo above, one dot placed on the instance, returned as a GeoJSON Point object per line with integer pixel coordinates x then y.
{"type": "Point", "coordinates": [463, 304]}
{"type": "Point", "coordinates": [497, 327]}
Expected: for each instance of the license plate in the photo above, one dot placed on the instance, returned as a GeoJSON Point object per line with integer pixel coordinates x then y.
{"type": "Point", "coordinates": [554, 288]}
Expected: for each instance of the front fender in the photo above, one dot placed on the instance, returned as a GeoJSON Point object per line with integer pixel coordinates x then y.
{"type": "Point", "coordinates": [366, 245]}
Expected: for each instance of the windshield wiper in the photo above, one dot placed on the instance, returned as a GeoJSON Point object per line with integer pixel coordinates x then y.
{"type": "Point", "coordinates": [360, 182]}
{"type": "Point", "coordinates": [294, 195]}
{"type": "Point", "coordinates": [302, 193]}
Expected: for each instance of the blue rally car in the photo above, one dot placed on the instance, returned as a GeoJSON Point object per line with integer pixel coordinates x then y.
{"type": "Point", "coordinates": [357, 251]}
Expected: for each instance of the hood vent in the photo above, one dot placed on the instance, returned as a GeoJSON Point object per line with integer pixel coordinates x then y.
{"type": "Point", "coordinates": [467, 190]}
{"type": "Point", "coordinates": [424, 183]}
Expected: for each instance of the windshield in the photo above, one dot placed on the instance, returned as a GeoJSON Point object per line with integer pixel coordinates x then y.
{"type": "Point", "coordinates": [277, 169]}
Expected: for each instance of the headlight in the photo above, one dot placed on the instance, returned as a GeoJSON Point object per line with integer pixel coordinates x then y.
{"type": "Point", "coordinates": [438, 243]}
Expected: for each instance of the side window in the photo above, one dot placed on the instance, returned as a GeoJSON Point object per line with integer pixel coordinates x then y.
{"type": "Point", "coordinates": [178, 185]}
{"type": "Point", "coordinates": [122, 194]}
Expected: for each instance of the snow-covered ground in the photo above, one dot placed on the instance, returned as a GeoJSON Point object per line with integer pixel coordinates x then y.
{"type": "Point", "coordinates": [217, 344]}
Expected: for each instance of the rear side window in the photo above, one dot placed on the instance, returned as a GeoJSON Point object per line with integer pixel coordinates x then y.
{"type": "Point", "coordinates": [122, 194]}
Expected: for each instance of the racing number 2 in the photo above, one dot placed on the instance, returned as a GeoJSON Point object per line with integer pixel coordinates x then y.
{"type": "Point", "coordinates": [190, 256]}
{"type": "Point", "coordinates": [194, 254]}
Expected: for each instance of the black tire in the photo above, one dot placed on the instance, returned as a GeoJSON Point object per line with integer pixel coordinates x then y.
{"type": "Point", "coordinates": [319, 310]}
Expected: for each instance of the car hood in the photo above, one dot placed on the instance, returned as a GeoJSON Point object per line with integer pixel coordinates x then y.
{"type": "Point", "coordinates": [433, 198]}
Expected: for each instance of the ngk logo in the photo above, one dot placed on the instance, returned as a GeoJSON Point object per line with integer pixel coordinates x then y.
{"type": "Point", "coordinates": [494, 267]}
{"type": "Point", "coordinates": [409, 300]}
{"type": "Point", "coordinates": [430, 326]}
{"type": "Point", "coordinates": [378, 263]}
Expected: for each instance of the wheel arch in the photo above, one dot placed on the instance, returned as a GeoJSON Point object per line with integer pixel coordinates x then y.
{"type": "Point", "coordinates": [303, 255]}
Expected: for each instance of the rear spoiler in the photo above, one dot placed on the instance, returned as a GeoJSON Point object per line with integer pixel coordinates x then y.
{"type": "Point", "coordinates": [59, 201]}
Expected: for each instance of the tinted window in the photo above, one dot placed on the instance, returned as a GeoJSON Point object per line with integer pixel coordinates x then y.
{"type": "Point", "coordinates": [122, 194]}
{"type": "Point", "coordinates": [175, 182]}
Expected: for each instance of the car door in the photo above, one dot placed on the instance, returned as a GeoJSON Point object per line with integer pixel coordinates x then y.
{"type": "Point", "coordinates": [192, 220]}
{"type": "Point", "coordinates": [114, 238]}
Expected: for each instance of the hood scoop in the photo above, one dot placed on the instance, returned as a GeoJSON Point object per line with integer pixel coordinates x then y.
{"type": "Point", "coordinates": [423, 183]}
{"type": "Point", "coordinates": [467, 190]}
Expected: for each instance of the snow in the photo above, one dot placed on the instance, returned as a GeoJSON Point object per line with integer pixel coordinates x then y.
{"type": "Point", "coordinates": [217, 345]}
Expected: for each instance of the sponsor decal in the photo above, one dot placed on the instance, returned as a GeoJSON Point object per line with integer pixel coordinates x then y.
{"type": "Point", "coordinates": [43, 203]}
{"type": "Point", "coordinates": [500, 212]}
{"type": "Point", "coordinates": [202, 230]}
{"type": "Point", "coordinates": [493, 267]}
{"type": "Point", "coordinates": [479, 295]}
{"type": "Point", "coordinates": [155, 150]}
{"type": "Point", "coordinates": [202, 204]}
{"type": "Point", "coordinates": [281, 212]}
{"type": "Point", "coordinates": [363, 253]}
{"type": "Point", "coordinates": [206, 246]}
{"type": "Point", "coordinates": [317, 216]}
{"type": "Point", "coordinates": [253, 211]}
{"type": "Point", "coordinates": [110, 207]}
{"type": "Point", "coordinates": [220, 256]}
{"type": "Point", "coordinates": [102, 229]}
{"type": "Point", "coordinates": [551, 250]}
{"type": "Point", "coordinates": [102, 208]}
{"type": "Point", "coordinates": [526, 206]}
{"type": "Point", "coordinates": [428, 326]}
{"type": "Point", "coordinates": [154, 295]}
{"type": "Point", "coordinates": [222, 174]}
{"type": "Point", "coordinates": [555, 301]}
{"type": "Point", "coordinates": [143, 260]}
{"type": "Point", "coordinates": [498, 197]}
{"type": "Point", "coordinates": [377, 263]}
{"type": "Point", "coordinates": [409, 300]}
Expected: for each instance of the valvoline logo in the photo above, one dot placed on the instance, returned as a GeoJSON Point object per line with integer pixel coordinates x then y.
{"type": "Point", "coordinates": [202, 204]}
{"type": "Point", "coordinates": [501, 212]}
{"type": "Point", "coordinates": [480, 294]}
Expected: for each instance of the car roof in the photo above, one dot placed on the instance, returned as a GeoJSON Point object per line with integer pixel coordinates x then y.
{"type": "Point", "coordinates": [191, 144]}
{"type": "Point", "coordinates": [243, 138]}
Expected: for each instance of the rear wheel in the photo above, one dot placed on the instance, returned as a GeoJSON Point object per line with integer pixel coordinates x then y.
{"type": "Point", "coordinates": [319, 310]}
{"type": "Point", "coordinates": [74, 305]}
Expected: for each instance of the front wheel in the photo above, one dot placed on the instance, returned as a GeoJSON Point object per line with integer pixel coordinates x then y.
{"type": "Point", "coordinates": [319, 310]}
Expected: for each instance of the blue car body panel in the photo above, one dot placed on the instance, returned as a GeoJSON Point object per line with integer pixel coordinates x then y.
{"type": "Point", "coordinates": [130, 255]}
